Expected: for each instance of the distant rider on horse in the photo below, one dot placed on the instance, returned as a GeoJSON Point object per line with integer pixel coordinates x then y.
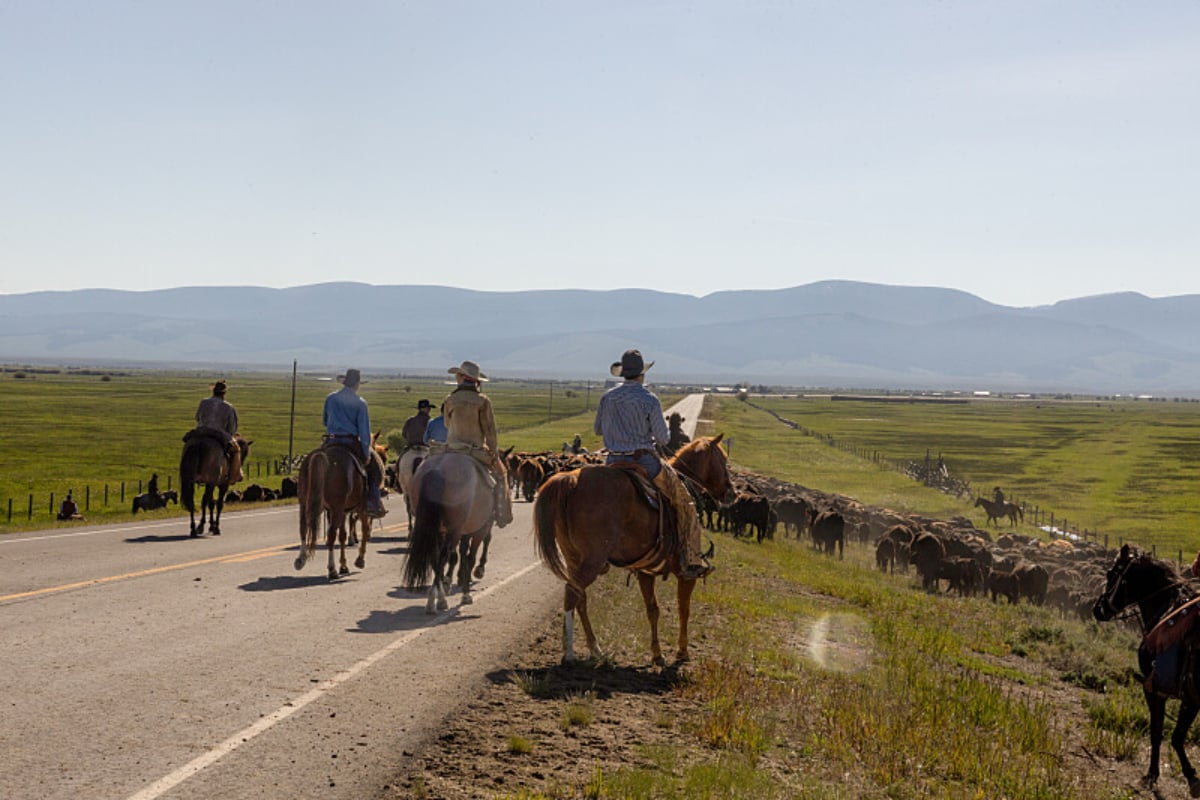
{"type": "Point", "coordinates": [471, 426]}
{"type": "Point", "coordinates": [629, 417]}
{"type": "Point", "coordinates": [347, 423]}
{"type": "Point", "coordinates": [414, 427]}
{"type": "Point", "coordinates": [217, 417]}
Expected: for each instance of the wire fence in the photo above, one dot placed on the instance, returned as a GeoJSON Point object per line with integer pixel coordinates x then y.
{"type": "Point", "coordinates": [91, 497]}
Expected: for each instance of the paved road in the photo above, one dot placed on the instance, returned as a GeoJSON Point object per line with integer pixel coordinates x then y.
{"type": "Point", "coordinates": [141, 663]}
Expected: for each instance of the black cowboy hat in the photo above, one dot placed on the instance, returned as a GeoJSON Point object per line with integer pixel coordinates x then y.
{"type": "Point", "coordinates": [630, 366]}
{"type": "Point", "coordinates": [424, 404]}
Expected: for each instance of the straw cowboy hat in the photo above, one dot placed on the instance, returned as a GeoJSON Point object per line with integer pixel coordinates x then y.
{"type": "Point", "coordinates": [630, 366]}
{"type": "Point", "coordinates": [352, 378]}
{"type": "Point", "coordinates": [468, 369]}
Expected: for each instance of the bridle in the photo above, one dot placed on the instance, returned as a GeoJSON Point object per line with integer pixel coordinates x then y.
{"type": "Point", "coordinates": [1106, 602]}
{"type": "Point", "coordinates": [691, 475]}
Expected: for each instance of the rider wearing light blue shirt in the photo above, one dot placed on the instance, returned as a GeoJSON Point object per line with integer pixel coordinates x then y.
{"type": "Point", "coordinates": [346, 416]}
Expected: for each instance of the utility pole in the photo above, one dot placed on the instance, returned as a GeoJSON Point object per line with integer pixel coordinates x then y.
{"type": "Point", "coordinates": [292, 422]}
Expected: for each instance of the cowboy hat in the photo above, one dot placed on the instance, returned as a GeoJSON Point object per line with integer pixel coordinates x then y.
{"type": "Point", "coordinates": [352, 378]}
{"type": "Point", "coordinates": [468, 369]}
{"type": "Point", "coordinates": [630, 366]}
{"type": "Point", "coordinates": [220, 387]}
{"type": "Point", "coordinates": [424, 404]}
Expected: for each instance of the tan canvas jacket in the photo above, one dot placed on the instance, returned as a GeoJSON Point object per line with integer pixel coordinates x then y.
{"type": "Point", "coordinates": [214, 412]}
{"type": "Point", "coordinates": [469, 420]}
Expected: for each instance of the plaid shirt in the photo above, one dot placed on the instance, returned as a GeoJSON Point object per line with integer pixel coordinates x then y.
{"type": "Point", "coordinates": [629, 417]}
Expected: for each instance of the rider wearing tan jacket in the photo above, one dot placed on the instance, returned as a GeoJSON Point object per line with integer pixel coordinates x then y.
{"type": "Point", "coordinates": [471, 426]}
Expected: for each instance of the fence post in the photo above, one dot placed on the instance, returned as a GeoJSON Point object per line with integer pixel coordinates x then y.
{"type": "Point", "coordinates": [52, 502]}
{"type": "Point", "coordinates": [169, 476]}
{"type": "Point", "coordinates": [31, 506]}
{"type": "Point", "coordinates": [106, 495]}
{"type": "Point", "coordinates": [10, 509]}
{"type": "Point", "coordinates": [87, 498]}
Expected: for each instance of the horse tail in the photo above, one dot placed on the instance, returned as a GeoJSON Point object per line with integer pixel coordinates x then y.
{"type": "Point", "coordinates": [189, 464]}
{"type": "Point", "coordinates": [425, 537]}
{"type": "Point", "coordinates": [310, 490]}
{"type": "Point", "coordinates": [549, 514]}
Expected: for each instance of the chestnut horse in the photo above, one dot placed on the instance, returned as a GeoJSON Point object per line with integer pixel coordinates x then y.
{"type": "Point", "coordinates": [204, 461]}
{"type": "Point", "coordinates": [1155, 589]}
{"type": "Point", "coordinates": [591, 518]}
{"type": "Point", "coordinates": [330, 481]}
{"type": "Point", "coordinates": [453, 508]}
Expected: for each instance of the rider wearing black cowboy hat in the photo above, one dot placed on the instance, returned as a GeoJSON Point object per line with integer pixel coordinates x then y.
{"type": "Point", "coordinates": [629, 417]}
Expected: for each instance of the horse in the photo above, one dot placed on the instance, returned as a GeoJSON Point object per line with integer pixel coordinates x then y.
{"type": "Point", "coordinates": [588, 519]}
{"type": "Point", "coordinates": [1153, 586]}
{"type": "Point", "coordinates": [204, 461]}
{"type": "Point", "coordinates": [330, 481]}
{"type": "Point", "coordinates": [1002, 509]}
{"type": "Point", "coordinates": [151, 501]}
{"type": "Point", "coordinates": [454, 508]}
{"type": "Point", "coordinates": [406, 465]}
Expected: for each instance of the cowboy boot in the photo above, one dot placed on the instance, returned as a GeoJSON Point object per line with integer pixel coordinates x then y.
{"type": "Point", "coordinates": [502, 501]}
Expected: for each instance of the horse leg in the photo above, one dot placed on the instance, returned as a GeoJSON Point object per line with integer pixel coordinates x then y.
{"type": "Point", "coordinates": [487, 540]}
{"type": "Point", "coordinates": [577, 601]}
{"type": "Point", "coordinates": [1187, 715]}
{"type": "Point", "coordinates": [343, 569]}
{"type": "Point", "coordinates": [646, 584]}
{"type": "Point", "coordinates": [336, 530]}
{"type": "Point", "coordinates": [466, 553]}
{"type": "Point", "coordinates": [365, 523]}
{"type": "Point", "coordinates": [214, 524]}
{"type": "Point", "coordinates": [1158, 711]}
{"type": "Point", "coordinates": [684, 595]}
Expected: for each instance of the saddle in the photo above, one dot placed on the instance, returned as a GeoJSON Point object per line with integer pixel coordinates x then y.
{"type": "Point", "coordinates": [664, 552]}
{"type": "Point", "coordinates": [1173, 645]}
{"type": "Point", "coordinates": [349, 446]}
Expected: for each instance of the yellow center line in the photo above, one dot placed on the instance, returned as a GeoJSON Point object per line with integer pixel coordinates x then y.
{"type": "Point", "coordinates": [229, 558]}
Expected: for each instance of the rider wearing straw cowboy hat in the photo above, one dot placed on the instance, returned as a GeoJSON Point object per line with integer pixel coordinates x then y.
{"type": "Point", "coordinates": [629, 417]}
{"type": "Point", "coordinates": [217, 416]}
{"type": "Point", "coordinates": [471, 426]}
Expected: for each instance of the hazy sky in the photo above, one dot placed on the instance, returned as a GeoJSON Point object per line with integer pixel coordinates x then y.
{"type": "Point", "coordinates": [1022, 151]}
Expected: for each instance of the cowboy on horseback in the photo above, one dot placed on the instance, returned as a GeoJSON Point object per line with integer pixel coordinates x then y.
{"type": "Point", "coordinates": [471, 426]}
{"type": "Point", "coordinates": [347, 423]}
{"type": "Point", "coordinates": [217, 417]}
{"type": "Point", "coordinates": [629, 417]}
{"type": "Point", "coordinates": [414, 427]}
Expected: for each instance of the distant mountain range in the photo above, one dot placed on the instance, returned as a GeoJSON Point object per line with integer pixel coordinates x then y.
{"type": "Point", "coordinates": [837, 334]}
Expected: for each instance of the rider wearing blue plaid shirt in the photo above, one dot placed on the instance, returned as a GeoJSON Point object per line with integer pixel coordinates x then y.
{"type": "Point", "coordinates": [629, 417]}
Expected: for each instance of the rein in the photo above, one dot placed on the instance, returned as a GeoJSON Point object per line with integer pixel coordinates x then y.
{"type": "Point", "coordinates": [1133, 609]}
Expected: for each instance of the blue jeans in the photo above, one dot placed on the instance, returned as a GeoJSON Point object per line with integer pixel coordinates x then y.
{"type": "Point", "coordinates": [647, 461]}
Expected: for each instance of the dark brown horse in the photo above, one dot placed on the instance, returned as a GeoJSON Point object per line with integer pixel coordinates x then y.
{"type": "Point", "coordinates": [589, 519]}
{"type": "Point", "coordinates": [1155, 589]}
{"type": "Point", "coordinates": [453, 508]}
{"type": "Point", "coordinates": [204, 461]}
{"type": "Point", "coordinates": [330, 481]}
{"type": "Point", "coordinates": [1002, 509]}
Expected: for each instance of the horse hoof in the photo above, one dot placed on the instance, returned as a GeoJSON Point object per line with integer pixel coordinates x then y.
{"type": "Point", "coordinates": [659, 661]}
{"type": "Point", "coordinates": [333, 576]}
{"type": "Point", "coordinates": [466, 600]}
{"type": "Point", "coordinates": [344, 571]}
{"type": "Point", "coordinates": [429, 609]}
{"type": "Point", "coordinates": [478, 573]}
{"type": "Point", "coordinates": [442, 605]}
{"type": "Point", "coordinates": [360, 562]}
{"type": "Point", "coordinates": [299, 563]}
{"type": "Point", "coordinates": [1194, 787]}
{"type": "Point", "coordinates": [215, 531]}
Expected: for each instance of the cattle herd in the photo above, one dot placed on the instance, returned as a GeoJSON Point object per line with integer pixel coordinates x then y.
{"type": "Point", "coordinates": [950, 556]}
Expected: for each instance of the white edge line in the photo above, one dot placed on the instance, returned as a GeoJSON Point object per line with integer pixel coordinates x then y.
{"type": "Point", "coordinates": [168, 782]}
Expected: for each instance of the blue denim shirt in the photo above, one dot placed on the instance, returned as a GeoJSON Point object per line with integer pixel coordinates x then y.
{"type": "Point", "coordinates": [346, 415]}
{"type": "Point", "coordinates": [629, 417]}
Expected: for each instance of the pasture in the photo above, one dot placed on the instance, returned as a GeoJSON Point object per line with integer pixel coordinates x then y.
{"type": "Point", "coordinates": [70, 430]}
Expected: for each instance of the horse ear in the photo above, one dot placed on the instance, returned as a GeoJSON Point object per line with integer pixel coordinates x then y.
{"type": "Point", "coordinates": [718, 438]}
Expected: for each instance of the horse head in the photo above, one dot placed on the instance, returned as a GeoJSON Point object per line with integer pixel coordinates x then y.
{"type": "Point", "coordinates": [1136, 578]}
{"type": "Point", "coordinates": [704, 461]}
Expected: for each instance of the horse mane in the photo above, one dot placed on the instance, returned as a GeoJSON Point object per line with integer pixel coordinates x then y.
{"type": "Point", "coordinates": [699, 443]}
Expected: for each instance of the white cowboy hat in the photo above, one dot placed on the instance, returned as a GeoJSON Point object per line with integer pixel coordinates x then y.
{"type": "Point", "coordinates": [468, 369]}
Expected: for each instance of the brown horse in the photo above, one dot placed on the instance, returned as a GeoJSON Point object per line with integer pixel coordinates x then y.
{"type": "Point", "coordinates": [330, 481]}
{"type": "Point", "coordinates": [454, 508]}
{"type": "Point", "coordinates": [1002, 509]}
{"type": "Point", "coordinates": [589, 519]}
{"type": "Point", "coordinates": [204, 461]}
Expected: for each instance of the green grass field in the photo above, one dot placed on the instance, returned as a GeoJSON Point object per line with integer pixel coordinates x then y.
{"type": "Point", "coordinates": [830, 677]}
